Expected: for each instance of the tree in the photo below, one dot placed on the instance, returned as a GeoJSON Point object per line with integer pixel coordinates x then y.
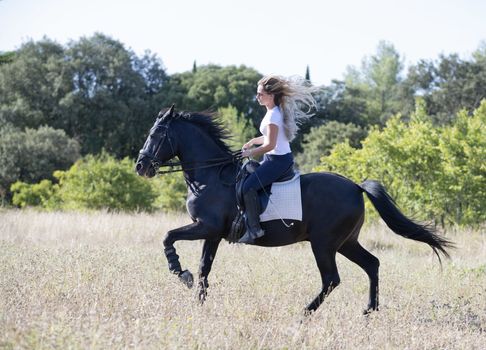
{"type": "Point", "coordinates": [368, 95]}
{"type": "Point", "coordinates": [341, 103]}
{"type": "Point", "coordinates": [108, 101]}
{"type": "Point", "coordinates": [32, 85]}
{"type": "Point", "coordinates": [94, 89]}
{"type": "Point", "coordinates": [463, 152]}
{"type": "Point", "coordinates": [379, 81]}
{"type": "Point", "coordinates": [33, 154]}
{"type": "Point", "coordinates": [307, 74]}
{"type": "Point", "coordinates": [6, 57]}
{"type": "Point", "coordinates": [212, 87]}
{"type": "Point", "coordinates": [450, 84]}
{"type": "Point", "coordinates": [320, 140]}
{"type": "Point", "coordinates": [437, 173]}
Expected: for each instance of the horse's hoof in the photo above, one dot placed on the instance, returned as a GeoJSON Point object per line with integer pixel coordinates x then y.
{"type": "Point", "coordinates": [187, 278]}
{"type": "Point", "coordinates": [369, 310]}
{"type": "Point", "coordinates": [202, 296]}
{"type": "Point", "coordinates": [307, 313]}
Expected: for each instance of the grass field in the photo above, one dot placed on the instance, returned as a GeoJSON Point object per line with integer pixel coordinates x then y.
{"type": "Point", "coordinates": [100, 281]}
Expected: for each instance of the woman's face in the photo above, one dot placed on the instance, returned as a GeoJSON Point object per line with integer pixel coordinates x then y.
{"type": "Point", "coordinates": [264, 98]}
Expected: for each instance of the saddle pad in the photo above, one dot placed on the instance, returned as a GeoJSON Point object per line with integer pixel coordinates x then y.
{"type": "Point", "coordinates": [285, 201]}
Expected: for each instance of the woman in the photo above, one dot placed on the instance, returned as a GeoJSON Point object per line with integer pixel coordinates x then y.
{"type": "Point", "coordinates": [283, 99]}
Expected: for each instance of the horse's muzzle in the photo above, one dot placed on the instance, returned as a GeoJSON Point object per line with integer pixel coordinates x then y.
{"type": "Point", "coordinates": [145, 168]}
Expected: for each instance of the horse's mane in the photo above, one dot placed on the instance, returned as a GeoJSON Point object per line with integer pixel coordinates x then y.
{"type": "Point", "coordinates": [210, 123]}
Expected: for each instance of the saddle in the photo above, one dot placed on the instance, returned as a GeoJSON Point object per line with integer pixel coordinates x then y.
{"type": "Point", "coordinates": [248, 168]}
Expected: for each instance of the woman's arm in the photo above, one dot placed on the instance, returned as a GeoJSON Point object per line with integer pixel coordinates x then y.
{"type": "Point", "coordinates": [266, 144]}
{"type": "Point", "coordinates": [255, 141]}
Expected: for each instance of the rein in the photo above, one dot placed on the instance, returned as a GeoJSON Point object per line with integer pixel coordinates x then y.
{"type": "Point", "coordinates": [234, 158]}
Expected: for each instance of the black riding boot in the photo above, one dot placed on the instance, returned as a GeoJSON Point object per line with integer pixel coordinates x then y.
{"type": "Point", "coordinates": [253, 230]}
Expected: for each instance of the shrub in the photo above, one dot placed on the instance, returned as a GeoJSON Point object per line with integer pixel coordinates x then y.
{"type": "Point", "coordinates": [97, 182]}
{"type": "Point", "coordinates": [437, 173]}
{"type": "Point", "coordinates": [43, 194]}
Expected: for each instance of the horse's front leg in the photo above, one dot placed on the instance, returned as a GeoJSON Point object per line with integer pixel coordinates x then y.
{"type": "Point", "coordinates": [191, 232]}
{"type": "Point", "coordinates": [208, 253]}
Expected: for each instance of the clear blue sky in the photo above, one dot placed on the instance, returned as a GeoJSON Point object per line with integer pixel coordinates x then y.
{"type": "Point", "coordinates": [281, 37]}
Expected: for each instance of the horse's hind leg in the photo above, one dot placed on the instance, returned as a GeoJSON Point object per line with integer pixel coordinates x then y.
{"type": "Point", "coordinates": [369, 263]}
{"type": "Point", "coordinates": [326, 262]}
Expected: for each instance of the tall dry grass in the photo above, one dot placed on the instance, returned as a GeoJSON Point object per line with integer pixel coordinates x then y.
{"type": "Point", "coordinates": [100, 281]}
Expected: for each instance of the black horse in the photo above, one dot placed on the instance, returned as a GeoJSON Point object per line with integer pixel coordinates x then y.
{"type": "Point", "coordinates": [333, 208]}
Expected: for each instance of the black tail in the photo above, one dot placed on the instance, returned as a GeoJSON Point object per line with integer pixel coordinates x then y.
{"type": "Point", "coordinates": [399, 223]}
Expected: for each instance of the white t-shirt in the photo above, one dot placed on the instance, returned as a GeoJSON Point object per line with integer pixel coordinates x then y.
{"type": "Point", "coordinates": [274, 116]}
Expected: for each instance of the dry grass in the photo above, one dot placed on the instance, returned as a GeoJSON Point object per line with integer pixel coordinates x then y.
{"type": "Point", "coordinates": [100, 281]}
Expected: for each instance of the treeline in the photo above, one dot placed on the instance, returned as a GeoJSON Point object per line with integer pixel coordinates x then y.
{"type": "Point", "coordinates": [95, 95]}
{"type": "Point", "coordinates": [60, 103]}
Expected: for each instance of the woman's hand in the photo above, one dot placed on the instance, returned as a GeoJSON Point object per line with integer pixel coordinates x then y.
{"type": "Point", "coordinates": [246, 150]}
{"type": "Point", "coordinates": [266, 144]}
{"type": "Point", "coordinates": [253, 142]}
{"type": "Point", "coordinates": [247, 145]}
{"type": "Point", "coordinates": [246, 153]}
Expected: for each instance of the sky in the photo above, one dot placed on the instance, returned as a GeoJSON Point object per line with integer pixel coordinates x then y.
{"type": "Point", "coordinates": [272, 36]}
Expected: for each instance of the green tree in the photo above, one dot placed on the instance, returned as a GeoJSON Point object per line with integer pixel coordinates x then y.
{"type": "Point", "coordinates": [6, 57]}
{"type": "Point", "coordinates": [340, 103]}
{"type": "Point", "coordinates": [379, 81]}
{"type": "Point", "coordinates": [450, 84]}
{"type": "Point", "coordinates": [32, 85]}
{"type": "Point", "coordinates": [107, 101]}
{"type": "Point", "coordinates": [437, 173]}
{"type": "Point", "coordinates": [320, 140]}
{"type": "Point", "coordinates": [94, 89]}
{"type": "Point", "coordinates": [33, 154]}
{"type": "Point", "coordinates": [368, 95]}
{"type": "Point", "coordinates": [463, 153]}
{"type": "Point", "coordinates": [212, 87]}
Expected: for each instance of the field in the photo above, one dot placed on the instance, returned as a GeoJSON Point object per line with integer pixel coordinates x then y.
{"type": "Point", "coordinates": [100, 281]}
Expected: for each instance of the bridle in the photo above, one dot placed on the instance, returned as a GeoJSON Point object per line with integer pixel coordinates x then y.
{"type": "Point", "coordinates": [153, 156]}
{"type": "Point", "coordinates": [233, 157]}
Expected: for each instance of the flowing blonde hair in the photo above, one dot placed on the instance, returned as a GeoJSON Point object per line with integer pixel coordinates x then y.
{"type": "Point", "coordinates": [292, 95]}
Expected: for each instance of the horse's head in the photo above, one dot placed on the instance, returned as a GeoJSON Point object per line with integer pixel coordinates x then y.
{"type": "Point", "coordinates": [159, 147]}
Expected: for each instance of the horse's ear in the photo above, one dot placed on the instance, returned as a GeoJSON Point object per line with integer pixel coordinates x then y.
{"type": "Point", "coordinates": [167, 114]}
{"type": "Point", "coordinates": [171, 110]}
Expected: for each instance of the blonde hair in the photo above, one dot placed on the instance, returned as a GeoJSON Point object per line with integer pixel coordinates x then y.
{"type": "Point", "coordinates": [292, 95]}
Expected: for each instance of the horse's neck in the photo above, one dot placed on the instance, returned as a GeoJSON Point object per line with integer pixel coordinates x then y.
{"type": "Point", "coordinates": [196, 150]}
